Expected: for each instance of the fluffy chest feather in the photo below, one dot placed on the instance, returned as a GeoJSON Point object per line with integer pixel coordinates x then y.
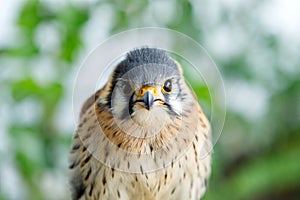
{"type": "Point", "coordinates": [157, 167]}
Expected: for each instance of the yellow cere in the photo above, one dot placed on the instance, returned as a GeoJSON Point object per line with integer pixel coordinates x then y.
{"type": "Point", "coordinates": [152, 89]}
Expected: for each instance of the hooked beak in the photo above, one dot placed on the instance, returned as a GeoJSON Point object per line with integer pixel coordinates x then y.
{"type": "Point", "coordinates": [147, 96]}
{"type": "Point", "coordinates": [148, 99]}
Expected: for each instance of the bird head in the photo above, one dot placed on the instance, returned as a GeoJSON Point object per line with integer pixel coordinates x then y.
{"type": "Point", "coordinates": [147, 87]}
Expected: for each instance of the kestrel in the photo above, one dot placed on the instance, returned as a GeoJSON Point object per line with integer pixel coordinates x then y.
{"type": "Point", "coordinates": [142, 136]}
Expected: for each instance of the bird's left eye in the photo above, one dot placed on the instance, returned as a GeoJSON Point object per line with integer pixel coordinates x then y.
{"type": "Point", "coordinates": [167, 87]}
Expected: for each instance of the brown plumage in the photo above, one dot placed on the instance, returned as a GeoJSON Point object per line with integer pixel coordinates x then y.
{"type": "Point", "coordinates": [142, 136]}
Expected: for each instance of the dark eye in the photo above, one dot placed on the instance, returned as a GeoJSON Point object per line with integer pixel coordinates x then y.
{"type": "Point", "coordinates": [126, 88]}
{"type": "Point", "coordinates": [167, 87]}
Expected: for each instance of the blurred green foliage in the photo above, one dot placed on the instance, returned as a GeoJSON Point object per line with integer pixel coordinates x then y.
{"type": "Point", "coordinates": [254, 158]}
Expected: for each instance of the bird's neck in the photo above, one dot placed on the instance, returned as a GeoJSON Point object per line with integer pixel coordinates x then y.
{"type": "Point", "coordinates": [139, 137]}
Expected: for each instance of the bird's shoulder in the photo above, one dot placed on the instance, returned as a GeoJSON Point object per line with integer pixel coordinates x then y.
{"type": "Point", "coordinates": [90, 101]}
{"type": "Point", "coordinates": [80, 157]}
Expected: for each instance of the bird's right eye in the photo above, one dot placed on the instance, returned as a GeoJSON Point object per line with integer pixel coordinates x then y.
{"type": "Point", "coordinates": [126, 88]}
